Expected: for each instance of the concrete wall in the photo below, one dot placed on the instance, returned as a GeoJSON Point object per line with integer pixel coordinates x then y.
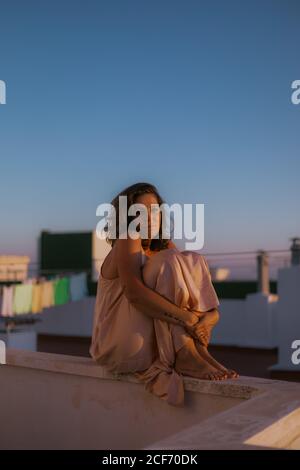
{"type": "Point", "coordinates": [70, 319]}
{"type": "Point", "coordinates": [49, 401]}
{"type": "Point", "coordinates": [288, 317]}
{"type": "Point", "coordinates": [251, 322]}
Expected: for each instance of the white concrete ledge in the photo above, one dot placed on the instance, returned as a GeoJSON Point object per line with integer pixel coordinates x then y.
{"type": "Point", "coordinates": [243, 387]}
{"type": "Point", "coordinates": [52, 401]}
{"type": "Point", "coordinates": [269, 420]}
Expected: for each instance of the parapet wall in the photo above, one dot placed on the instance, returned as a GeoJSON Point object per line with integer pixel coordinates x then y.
{"type": "Point", "coordinates": [51, 401]}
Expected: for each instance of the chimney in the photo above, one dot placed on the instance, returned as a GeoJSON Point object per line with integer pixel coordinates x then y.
{"type": "Point", "coordinates": [263, 284]}
{"type": "Point", "coordinates": [295, 251]}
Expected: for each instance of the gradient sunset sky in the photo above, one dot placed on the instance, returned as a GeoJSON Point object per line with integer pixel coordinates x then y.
{"type": "Point", "coordinates": [192, 96]}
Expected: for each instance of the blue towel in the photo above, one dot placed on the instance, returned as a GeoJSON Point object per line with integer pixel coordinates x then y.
{"type": "Point", "coordinates": [78, 286]}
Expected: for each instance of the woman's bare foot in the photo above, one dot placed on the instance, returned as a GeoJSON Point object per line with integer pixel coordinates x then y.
{"type": "Point", "coordinates": [202, 350]}
{"type": "Point", "coordinates": [190, 362]}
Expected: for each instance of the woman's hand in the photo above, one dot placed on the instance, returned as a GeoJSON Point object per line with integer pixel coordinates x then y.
{"type": "Point", "coordinates": [202, 329]}
{"type": "Point", "coordinates": [199, 332]}
{"type": "Point", "coordinates": [191, 321]}
{"type": "Point", "coordinates": [202, 334]}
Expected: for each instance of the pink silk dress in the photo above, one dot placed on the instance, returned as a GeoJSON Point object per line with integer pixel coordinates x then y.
{"type": "Point", "coordinates": [126, 340]}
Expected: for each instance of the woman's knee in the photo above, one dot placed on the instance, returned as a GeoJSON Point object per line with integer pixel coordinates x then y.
{"type": "Point", "coordinates": [214, 315]}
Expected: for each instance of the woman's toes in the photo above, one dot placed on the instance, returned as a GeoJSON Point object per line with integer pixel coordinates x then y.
{"type": "Point", "coordinates": [216, 376]}
{"type": "Point", "coordinates": [223, 375]}
{"type": "Point", "coordinates": [230, 373]}
{"type": "Point", "coordinates": [233, 374]}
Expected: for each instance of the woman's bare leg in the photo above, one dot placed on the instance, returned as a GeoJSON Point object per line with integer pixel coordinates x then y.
{"type": "Point", "coordinates": [204, 353]}
{"type": "Point", "coordinates": [208, 322]}
{"type": "Point", "coordinates": [189, 362]}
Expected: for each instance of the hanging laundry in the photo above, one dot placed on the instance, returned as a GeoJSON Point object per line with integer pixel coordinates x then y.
{"type": "Point", "coordinates": [34, 294]}
{"type": "Point", "coordinates": [37, 305]}
{"type": "Point", "coordinates": [47, 294]}
{"type": "Point", "coordinates": [61, 291]}
{"type": "Point", "coordinates": [78, 286]}
{"type": "Point", "coordinates": [22, 299]}
{"type": "Point", "coordinates": [7, 301]}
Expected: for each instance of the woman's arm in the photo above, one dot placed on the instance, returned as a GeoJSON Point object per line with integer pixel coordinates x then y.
{"type": "Point", "coordinates": [147, 300]}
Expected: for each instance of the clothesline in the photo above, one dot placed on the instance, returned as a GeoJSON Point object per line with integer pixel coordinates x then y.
{"type": "Point", "coordinates": [32, 295]}
{"type": "Point", "coordinates": [12, 322]}
{"type": "Point", "coordinates": [9, 276]}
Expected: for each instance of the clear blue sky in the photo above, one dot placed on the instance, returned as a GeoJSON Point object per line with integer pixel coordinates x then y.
{"type": "Point", "coordinates": [193, 96]}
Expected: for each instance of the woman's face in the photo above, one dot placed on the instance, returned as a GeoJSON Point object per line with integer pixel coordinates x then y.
{"type": "Point", "coordinates": [154, 223]}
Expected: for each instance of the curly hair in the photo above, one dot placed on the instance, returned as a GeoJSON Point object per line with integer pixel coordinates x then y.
{"type": "Point", "coordinates": [131, 193]}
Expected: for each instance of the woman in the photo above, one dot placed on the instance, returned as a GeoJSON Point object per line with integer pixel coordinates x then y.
{"type": "Point", "coordinates": [155, 307]}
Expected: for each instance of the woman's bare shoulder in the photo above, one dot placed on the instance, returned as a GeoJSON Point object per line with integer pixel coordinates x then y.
{"type": "Point", "coordinates": [128, 245]}
{"type": "Point", "coordinates": [129, 259]}
{"type": "Point", "coordinates": [109, 266]}
{"type": "Point", "coordinates": [171, 244]}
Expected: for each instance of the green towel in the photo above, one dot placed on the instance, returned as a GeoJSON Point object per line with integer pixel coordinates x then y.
{"type": "Point", "coordinates": [61, 291]}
